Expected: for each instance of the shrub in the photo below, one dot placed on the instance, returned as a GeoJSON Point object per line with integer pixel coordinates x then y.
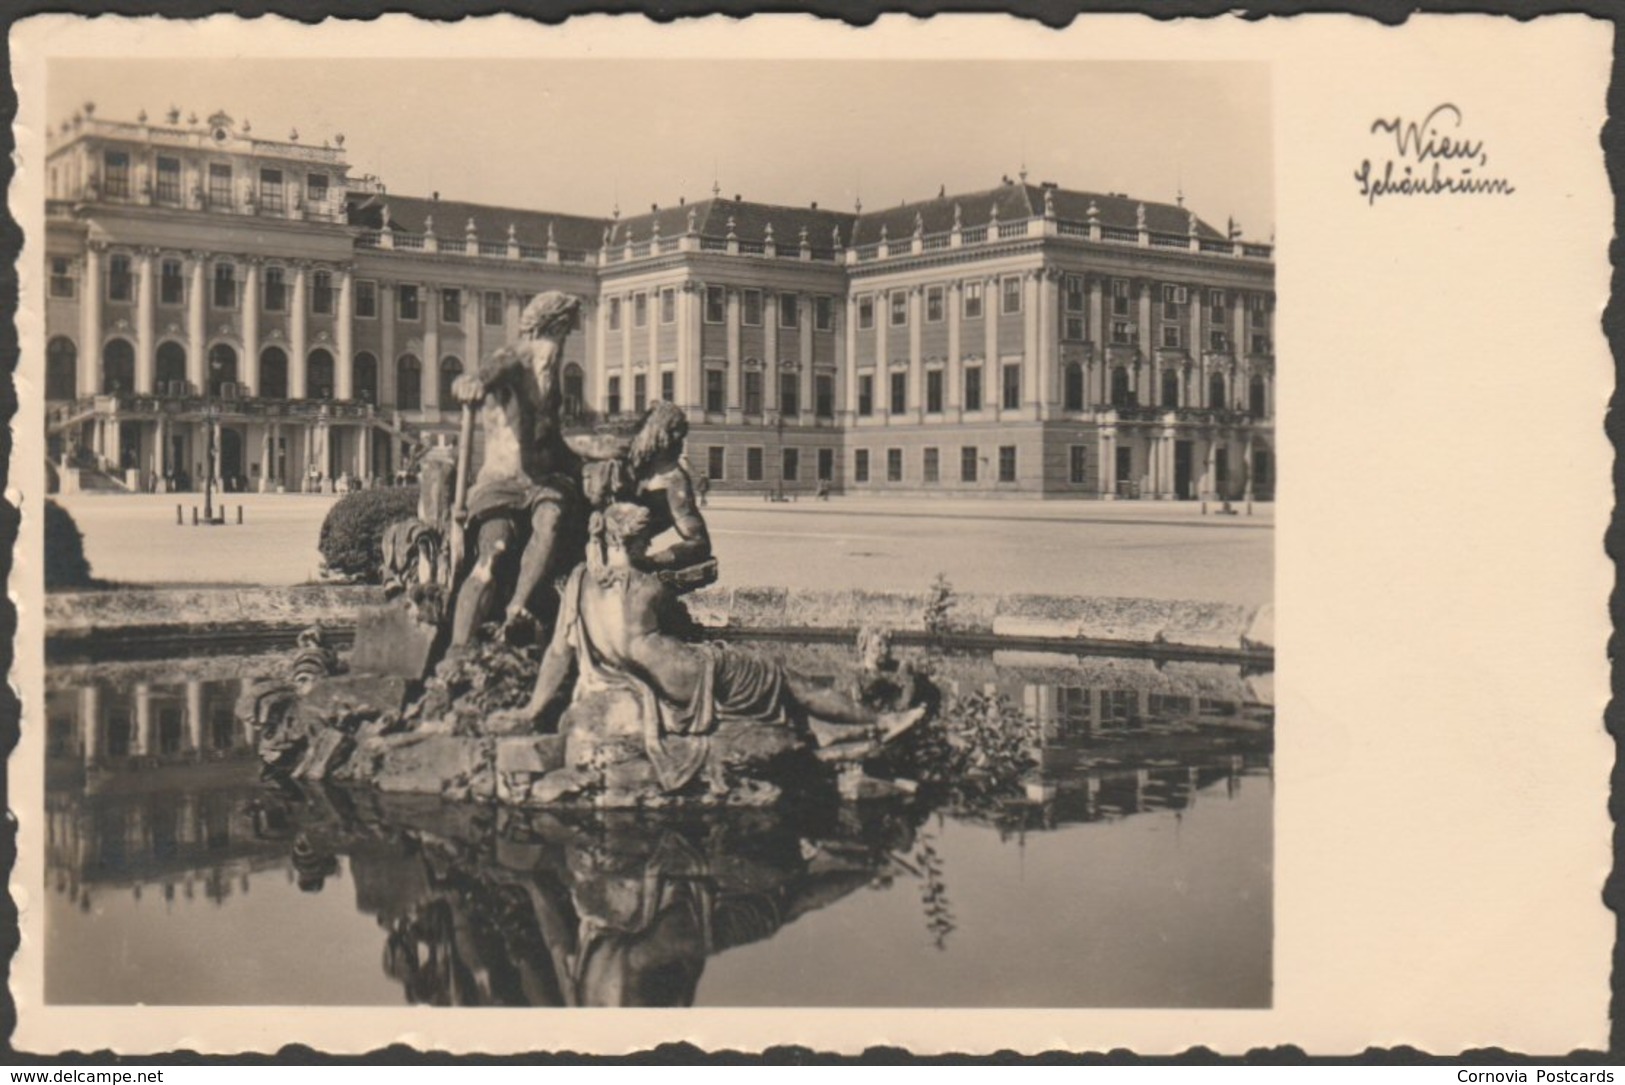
{"type": "Point", "coordinates": [65, 562]}
{"type": "Point", "coordinates": [352, 536]}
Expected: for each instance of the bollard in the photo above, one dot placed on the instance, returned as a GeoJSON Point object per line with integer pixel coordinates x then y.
{"type": "Point", "coordinates": [180, 517]}
{"type": "Point", "coordinates": [239, 514]}
{"type": "Point", "coordinates": [194, 516]}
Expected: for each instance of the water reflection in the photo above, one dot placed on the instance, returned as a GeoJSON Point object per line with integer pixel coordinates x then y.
{"type": "Point", "coordinates": [154, 794]}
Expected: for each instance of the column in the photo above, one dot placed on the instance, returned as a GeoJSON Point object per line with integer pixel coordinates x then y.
{"type": "Point", "coordinates": [1029, 338]}
{"type": "Point", "coordinates": [145, 347]}
{"type": "Point", "coordinates": [297, 332]}
{"type": "Point", "coordinates": [1147, 347]}
{"type": "Point", "coordinates": [473, 312]}
{"type": "Point", "coordinates": [265, 459]}
{"type": "Point", "coordinates": [804, 320]}
{"type": "Point", "coordinates": [90, 321]}
{"type": "Point", "coordinates": [197, 348]}
{"type": "Point", "coordinates": [736, 392]}
{"type": "Point", "coordinates": [343, 334]}
{"type": "Point", "coordinates": [849, 408]}
{"type": "Point", "coordinates": [1108, 462]}
{"type": "Point", "coordinates": [274, 465]}
{"type": "Point", "coordinates": [388, 392]}
{"type": "Point", "coordinates": [90, 721]}
{"type": "Point", "coordinates": [250, 374]}
{"type": "Point", "coordinates": [770, 353]}
{"type": "Point", "coordinates": [882, 389]}
{"type": "Point", "coordinates": [194, 714]}
{"type": "Point", "coordinates": [690, 381]}
{"type": "Point", "coordinates": [1196, 344]}
{"type": "Point", "coordinates": [431, 346]}
{"type": "Point", "coordinates": [653, 344]}
{"type": "Point", "coordinates": [993, 367]}
{"type": "Point", "coordinates": [600, 376]}
{"type": "Point", "coordinates": [955, 374]}
{"type": "Point", "coordinates": [144, 745]}
{"type": "Point", "coordinates": [512, 304]}
{"type": "Point", "coordinates": [160, 438]}
{"type": "Point", "coordinates": [1099, 336]}
{"type": "Point", "coordinates": [1209, 466]}
{"type": "Point", "coordinates": [916, 359]}
{"type": "Point", "coordinates": [367, 438]}
{"type": "Point", "coordinates": [1049, 304]}
{"type": "Point", "coordinates": [1247, 463]}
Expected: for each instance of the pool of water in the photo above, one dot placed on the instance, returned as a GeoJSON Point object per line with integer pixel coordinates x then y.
{"type": "Point", "coordinates": [1134, 870]}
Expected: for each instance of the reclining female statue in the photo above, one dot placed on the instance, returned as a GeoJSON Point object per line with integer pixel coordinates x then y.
{"type": "Point", "coordinates": [609, 629]}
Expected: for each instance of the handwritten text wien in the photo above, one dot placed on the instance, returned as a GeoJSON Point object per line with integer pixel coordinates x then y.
{"type": "Point", "coordinates": [1432, 157]}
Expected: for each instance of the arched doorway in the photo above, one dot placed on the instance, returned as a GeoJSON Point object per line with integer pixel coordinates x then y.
{"type": "Point", "coordinates": [319, 375]}
{"type": "Point", "coordinates": [273, 373]}
{"type": "Point", "coordinates": [450, 369]}
{"type": "Point", "coordinates": [231, 460]}
{"type": "Point", "coordinates": [61, 369]}
{"type": "Point", "coordinates": [1255, 396]}
{"type": "Point", "coordinates": [574, 391]}
{"type": "Point", "coordinates": [1170, 388]}
{"type": "Point", "coordinates": [365, 373]}
{"type": "Point", "coordinates": [1215, 392]}
{"type": "Point", "coordinates": [118, 367]}
{"type": "Point", "coordinates": [408, 383]}
{"type": "Point", "coordinates": [1120, 396]}
{"type": "Point", "coordinates": [222, 368]}
{"type": "Point", "coordinates": [171, 367]}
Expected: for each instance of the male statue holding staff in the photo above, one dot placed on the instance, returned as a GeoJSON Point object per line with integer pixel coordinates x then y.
{"type": "Point", "coordinates": [528, 485]}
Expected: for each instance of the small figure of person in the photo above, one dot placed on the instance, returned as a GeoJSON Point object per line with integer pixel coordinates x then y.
{"type": "Point", "coordinates": [702, 488]}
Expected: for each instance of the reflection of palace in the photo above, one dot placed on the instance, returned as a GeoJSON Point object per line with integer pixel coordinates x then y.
{"type": "Point", "coordinates": [1025, 339]}
{"type": "Point", "coordinates": [102, 726]}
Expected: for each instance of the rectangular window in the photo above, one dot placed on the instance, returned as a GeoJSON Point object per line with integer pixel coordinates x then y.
{"type": "Point", "coordinates": [716, 391]}
{"type": "Point", "coordinates": [899, 392]}
{"type": "Point", "coordinates": [118, 278]}
{"type": "Point", "coordinates": [967, 464]}
{"type": "Point", "coordinates": [713, 462]}
{"type": "Point", "coordinates": [973, 388]}
{"type": "Point", "coordinates": [752, 306]}
{"type": "Point", "coordinates": [116, 174]}
{"type": "Point", "coordinates": [225, 286]}
{"type": "Point", "coordinates": [826, 465]}
{"type": "Point", "coordinates": [899, 308]}
{"type": "Point", "coordinates": [792, 465]}
{"type": "Point", "coordinates": [321, 293]}
{"type": "Point", "coordinates": [406, 301]}
{"type": "Point", "coordinates": [491, 314]}
{"type": "Point", "coordinates": [1217, 340]}
{"type": "Point", "coordinates": [171, 283]}
{"type": "Point", "coordinates": [316, 187]}
{"type": "Point", "coordinates": [973, 301]}
{"type": "Point", "coordinates": [1007, 463]}
{"type": "Point", "coordinates": [219, 186]}
{"type": "Point", "coordinates": [1010, 297]}
{"type": "Point", "coordinates": [824, 313]}
{"type": "Point", "coordinates": [930, 468]}
{"type": "Point", "coordinates": [716, 305]}
{"type": "Point", "coordinates": [789, 311]}
{"type": "Point", "coordinates": [866, 395]}
{"type": "Point", "coordinates": [61, 277]}
{"type": "Point", "coordinates": [933, 305]}
{"type": "Point", "coordinates": [1074, 294]}
{"type": "Point", "coordinates": [614, 314]}
{"type": "Point", "coordinates": [1173, 301]}
{"type": "Point", "coordinates": [1256, 302]}
{"type": "Point", "coordinates": [824, 395]}
{"type": "Point", "coordinates": [168, 188]}
{"type": "Point", "coordinates": [668, 385]}
{"type": "Point", "coordinates": [1012, 386]}
{"type": "Point", "coordinates": [1075, 328]}
{"type": "Point", "coordinates": [894, 465]}
{"type": "Point", "coordinates": [1173, 337]}
{"type": "Point", "coordinates": [860, 465]}
{"type": "Point", "coordinates": [451, 305]}
{"type": "Point", "coordinates": [1079, 464]}
{"type": "Point", "coordinates": [1261, 344]}
{"type": "Point", "coordinates": [753, 464]}
{"type": "Point", "coordinates": [271, 190]}
{"type": "Point", "coordinates": [668, 305]}
{"type": "Point", "coordinates": [640, 310]}
{"type": "Point", "coordinates": [366, 299]}
{"type": "Point", "coordinates": [612, 396]}
{"type": "Point", "coordinates": [1120, 297]}
{"type": "Point", "coordinates": [276, 290]}
{"type": "Point", "coordinates": [866, 313]}
{"type": "Point", "coordinates": [1216, 306]}
{"type": "Point", "coordinates": [640, 393]}
{"type": "Point", "coordinates": [789, 394]}
{"type": "Point", "coordinates": [1123, 332]}
{"type": "Point", "coordinates": [933, 391]}
{"type": "Point", "coordinates": [753, 391]}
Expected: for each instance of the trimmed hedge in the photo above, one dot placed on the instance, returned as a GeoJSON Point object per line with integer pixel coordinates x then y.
{"type": "Point", "coordinates": [65, 563]}
{"type": "Point", "coordinates": [352, 535]}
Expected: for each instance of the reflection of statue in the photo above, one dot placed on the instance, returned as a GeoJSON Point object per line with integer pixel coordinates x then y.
{"type": "Point", "coordinates": [528, 480]}
{"type": "Point", "coordinates": [609, 627]}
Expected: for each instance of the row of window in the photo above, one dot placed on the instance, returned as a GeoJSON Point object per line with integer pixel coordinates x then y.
{"type": "Point", "coordinates": [971, 464]}
{"type": "Point", "coordinates": [752, 305]}
{"type": "Point", "coordinates": [789, 464]}
{"type": "Point", "coordinates": [166, 182]}
{"type": "Point", "coordinates": [1009, 399]}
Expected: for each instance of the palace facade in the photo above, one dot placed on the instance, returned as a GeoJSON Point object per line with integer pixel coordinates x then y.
{"type": "Point", "coordinates": [1022, 340]}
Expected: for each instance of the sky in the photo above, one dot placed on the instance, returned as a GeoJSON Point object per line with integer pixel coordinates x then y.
{"type": "Point", "coordinates": [581, 136]}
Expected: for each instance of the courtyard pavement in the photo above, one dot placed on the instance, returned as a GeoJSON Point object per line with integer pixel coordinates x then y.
{"type": "Point", "coordinates": [1159, 550]}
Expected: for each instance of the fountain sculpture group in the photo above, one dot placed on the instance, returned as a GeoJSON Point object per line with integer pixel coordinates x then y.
{"type": "Point", "coordinates": [553, 542]}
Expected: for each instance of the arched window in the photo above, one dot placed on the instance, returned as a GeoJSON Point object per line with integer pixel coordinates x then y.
{"type": "Point", "coordinates": [1215, 392]}
{"type": "Point", "coordinates": [1074, 387]}
{"type": "Point", "coordinates": [409, 383]}
{"type": "Point", "coordinates": [1120, 396]}
{"type": "Point", "coordinates": [171, 366]}
{"type": "Point", "coordinates": [574, 391]}
{"type": "Point", "coordinates": [222, 367]}
{"type": "Point", "coordinates": [319, 375]}
{"type": "Point", "coordinates": [118, 366]}
{"type": "Point", "coordinates": [450, 370]}
{"type": "Point", "coordinates": [1255, 396]}
{"type": "Point", "coordinates": [1170, 388]}
{"type": "Point", "coordinates": [61, 369]}
{"type": "Point", "coordinates": [365, 372]}
{"type": "Point", "coordinates": [273, 373]}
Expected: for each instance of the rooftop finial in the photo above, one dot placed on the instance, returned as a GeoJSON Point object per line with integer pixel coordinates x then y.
{"type": "Point", "coordinates": [513, 234]}
{"type": "Point", "coordinates": [1049, 203]}
{"type": "Point", "coordinates": [731, 235]}
{"type": "Point", "coordinates": [958, 219]}
{"type": "Point", "coordinates": [882, 231]}
{"type": "Point", "coordinates": [768, 233]}
{"type": "Point", "coordinates": [174, 114]}
{"type": "Point", "coordinates": [857, 205]}
{"type": "Point", "coordinates": [919, 224]}
{"type": "Point", "coordinates": [293, 135]}
{"type": "Point", "coordinates": [550, 241]}
{"type": "Point", "coordinates": [247, 128]}
{"type": "Point", "coordinates": [338, 137]}
{"type": "Point", "coordinates": [142, 116]}
{"type": "Point", "coordinates": [1094, 213]}
{"type": "Point", "coordinates": [1139, 216]}
{"type": "Point", "coordinates": [804, 237]}
{"type": "Point", "coordinates": [716, 188]}
{"type": "Point", "coordinates": [836, 237]}
{"type": "Point", "coordinates": [691, 220]}
{"type": "Point", "coordinates": [468, 228]}
{"type": "Point", "coordinates": [428, 224]}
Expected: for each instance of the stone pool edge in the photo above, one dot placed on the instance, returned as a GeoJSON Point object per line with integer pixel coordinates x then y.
{"type": "Point", "coordinates": [73, 618]}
